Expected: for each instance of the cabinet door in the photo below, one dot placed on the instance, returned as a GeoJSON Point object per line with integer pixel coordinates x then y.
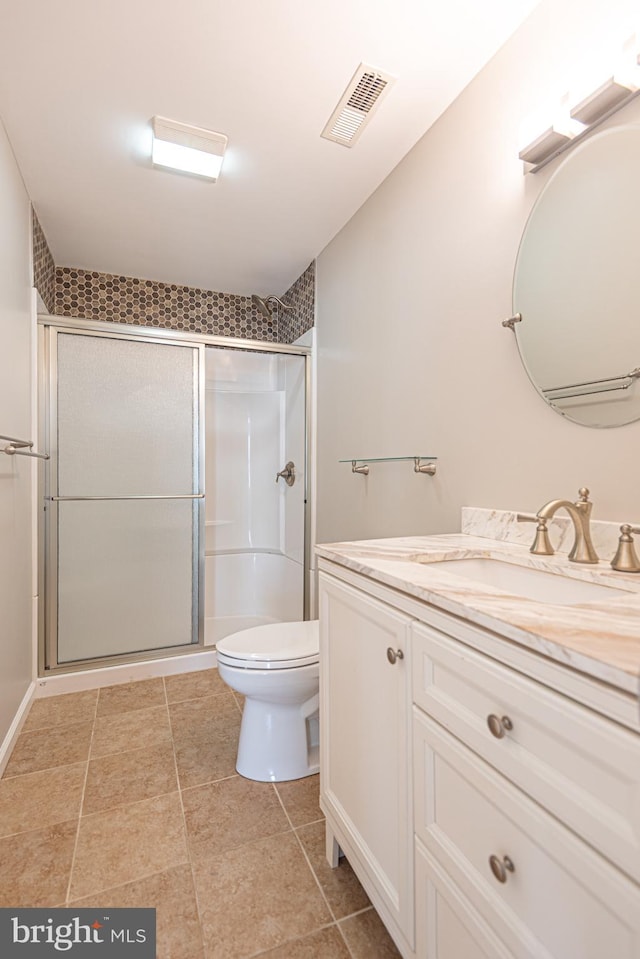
{"type": "Point", "coordinates": [366, 781]}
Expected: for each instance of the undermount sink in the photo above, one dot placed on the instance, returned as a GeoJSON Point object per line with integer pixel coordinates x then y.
{"type": "Point", "coordinates": [526, 581]}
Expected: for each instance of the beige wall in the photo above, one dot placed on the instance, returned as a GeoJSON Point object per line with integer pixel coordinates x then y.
{"type": "Point", "coordinates": [412, 357]}
{"type": "Point", "coordinates": [15, 420]}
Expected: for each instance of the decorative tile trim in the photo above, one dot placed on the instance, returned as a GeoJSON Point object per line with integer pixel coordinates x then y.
{"type": "Point", "coordinates": [301, 296]}
{"type": "Point", "coordinates": [91, 295]}
{"type": "Point", "coordinates": [44, 269]}
{"type": "Point", "coordinates": [125, 299]}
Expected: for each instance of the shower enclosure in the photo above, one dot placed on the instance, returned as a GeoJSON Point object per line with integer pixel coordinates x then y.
{"type": "Point", "coordinates": [164, 526]}
{"type": "Point", "coordinates": [254, 525]}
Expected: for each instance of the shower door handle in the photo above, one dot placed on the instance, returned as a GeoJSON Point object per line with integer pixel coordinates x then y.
{"type": "Point", "coordinates": [288, 474]}
{"type": "Point", "coordinates": [79, 499]}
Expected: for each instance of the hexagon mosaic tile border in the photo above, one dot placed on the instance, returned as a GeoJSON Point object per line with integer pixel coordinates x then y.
{"type": "Point", "coordinates": [90, 295]}
{"type": "Point", "coordinates": [44, 269]}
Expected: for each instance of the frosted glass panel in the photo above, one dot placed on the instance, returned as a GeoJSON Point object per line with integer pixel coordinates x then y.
{"type": "Point", "coordinates": [127, 569]}
{"type": "Point", "coordinates": [126, 417]}
{"type": "Point", "coordinates": [126, 577]}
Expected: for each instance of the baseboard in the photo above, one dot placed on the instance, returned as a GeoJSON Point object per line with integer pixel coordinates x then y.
{"type": "Point", "coordinates": [14, 729]}
{"type": "Point", "coordinates": [128, 672]}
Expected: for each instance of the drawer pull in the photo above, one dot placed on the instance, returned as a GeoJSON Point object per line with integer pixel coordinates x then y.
{"type": "Point", "coordinates": [500, 867]}
{"type": "Point", "coordinates": [393, 654]}
{"type": "Point", "coordinates": [497, 726]}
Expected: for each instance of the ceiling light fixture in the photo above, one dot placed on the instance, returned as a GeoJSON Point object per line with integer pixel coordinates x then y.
{"type": "Point", "coordinates": [178, 146]}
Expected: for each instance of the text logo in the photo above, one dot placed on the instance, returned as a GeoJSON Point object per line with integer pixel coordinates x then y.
{"type": "Point", "coordinates": [80, 932]}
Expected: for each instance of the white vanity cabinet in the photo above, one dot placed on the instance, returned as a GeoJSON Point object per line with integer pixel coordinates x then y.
{"type": "Point", "coordinates": [510, 827]}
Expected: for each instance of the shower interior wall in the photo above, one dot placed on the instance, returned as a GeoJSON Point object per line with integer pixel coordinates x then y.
{"type": "Point", "coordinates": [254, 526]}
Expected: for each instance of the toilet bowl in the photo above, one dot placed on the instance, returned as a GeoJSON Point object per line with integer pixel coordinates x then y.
{"type": "Point", "coordinates": [276, 668]}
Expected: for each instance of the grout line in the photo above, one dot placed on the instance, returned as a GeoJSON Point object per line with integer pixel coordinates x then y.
{"type": "Point", "coordinates": [289, 942]}
{"type": "Point", "coordinates": [186, 836]}
{"type": "Point", "coordinates": [192, 699]}
{"type": "Point", "coordinates": [209, 782]}
{"type": "Point", "coordinates": [48, 825]}
{"type": "Point", "coordinates": [312, 822]}
{"type": "Point", "coordinates": [358, 912]}
{"type": "Point", "coordinates": [344, 939]}
{"type": "Point", "coordinates": [84, 788]}
{"type": "Point", "coordinates": [284, 808]}
{"type": "Point", "coordinates": [313, 873]}
{"type": "Point", "coordinates": [240, 706]}
{"type": "Point", "coordinates": [131, 749]}
{"type": "Point", "coordinates": [45, 769]}
{"type": "Point", "coordinates": [124, 805]}
{"type": "Point", "coordinates": [65, 722]}
{"type": "Point", "coordinates": [341, 931]}
{"type": "Point", "coordinates": [129, 882]}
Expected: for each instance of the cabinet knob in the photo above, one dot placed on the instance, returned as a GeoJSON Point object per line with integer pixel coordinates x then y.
{"type": "Point", "coordinates": [393, 654]}
{"type": "Point", "coordinates": [498, 726]}
{"type": "Point", "coordinates": [500, 867]}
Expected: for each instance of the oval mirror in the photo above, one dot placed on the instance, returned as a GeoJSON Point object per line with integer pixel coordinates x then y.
{"type": "Point", "coordinates": [577, 283]}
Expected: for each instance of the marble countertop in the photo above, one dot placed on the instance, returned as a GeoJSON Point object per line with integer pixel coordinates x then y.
{"type": "Point", "coordinates": [600, 639]}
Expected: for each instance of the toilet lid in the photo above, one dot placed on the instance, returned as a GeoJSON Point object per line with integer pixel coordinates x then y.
{"type": "Point", "coordinates": [275, 646]}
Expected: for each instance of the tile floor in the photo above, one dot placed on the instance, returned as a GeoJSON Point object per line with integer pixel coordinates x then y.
{"type": "Point", "coordinates": [128, 796]}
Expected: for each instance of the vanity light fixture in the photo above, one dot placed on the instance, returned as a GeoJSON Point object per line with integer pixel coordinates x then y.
{"type": "Point", "coordinates": [577, 121]}
{"type": "Point", "coordinates": [179, 146]}
{"type": "Point", "coordinates": [610, 96]}
{"type": "Point", "coordinates": [549, 144]}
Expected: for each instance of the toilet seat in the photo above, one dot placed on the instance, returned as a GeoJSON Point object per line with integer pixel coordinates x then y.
{"type": "Point", "coordinates": [274, 646]}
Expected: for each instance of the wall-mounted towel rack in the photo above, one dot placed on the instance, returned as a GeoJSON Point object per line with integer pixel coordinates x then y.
{"type": "Point", "coordinates": [418, 466]}
{"type": "Point", "coordinates": [624, 381]}
{"type": "Point", "coordinates": [18, 447]}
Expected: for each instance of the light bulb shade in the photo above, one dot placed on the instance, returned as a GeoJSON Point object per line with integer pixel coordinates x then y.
{"type": "Point", "coordinates": [610, 96]}
{"type": "Point", "coordinates": [549, 143]}
{"type": "Point", "coordinates": [178, 146]}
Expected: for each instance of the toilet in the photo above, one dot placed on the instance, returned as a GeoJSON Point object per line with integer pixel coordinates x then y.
{"type": "Point", "coordinates": [276, 668]}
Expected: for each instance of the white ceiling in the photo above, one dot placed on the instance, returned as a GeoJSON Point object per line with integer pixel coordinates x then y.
{"type": "Point", "coordinates": [80, 80]}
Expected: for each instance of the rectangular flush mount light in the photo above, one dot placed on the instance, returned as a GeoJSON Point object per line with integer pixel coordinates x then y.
{"type": "Point", "coordinates": [179, 146]}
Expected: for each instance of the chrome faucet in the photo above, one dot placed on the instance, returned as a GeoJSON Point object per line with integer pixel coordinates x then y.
{"type": "Point", "coordinates": [580, 512]}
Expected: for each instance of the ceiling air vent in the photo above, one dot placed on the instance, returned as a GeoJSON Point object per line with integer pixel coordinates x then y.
{"type": "Point", "coordinates": [356, 105]}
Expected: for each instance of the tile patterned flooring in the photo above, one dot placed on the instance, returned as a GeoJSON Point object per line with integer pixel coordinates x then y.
{"type": "Point", "coordinates": [128, 796]}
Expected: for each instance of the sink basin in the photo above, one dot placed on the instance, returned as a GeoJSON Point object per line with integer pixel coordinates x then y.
{"type": "Point", "coordinates": [526, 581]}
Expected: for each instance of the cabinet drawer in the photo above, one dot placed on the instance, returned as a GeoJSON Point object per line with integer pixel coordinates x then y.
{"type": "Point", "coordinates": [447, 925]}
{"type": "Point", "coordinates": [579, 765]}
{"type": "Point", "coordinates": [561, 901]}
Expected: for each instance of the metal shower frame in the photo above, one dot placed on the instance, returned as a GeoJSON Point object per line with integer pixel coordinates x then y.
{"type": "Point", "coordinates": [48, 327]}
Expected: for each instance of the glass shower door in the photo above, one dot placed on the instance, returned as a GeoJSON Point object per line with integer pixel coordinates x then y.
{"type": "Point", "coordinates": [125, 497]}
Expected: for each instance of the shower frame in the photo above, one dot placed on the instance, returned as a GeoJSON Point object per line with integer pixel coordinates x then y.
{"type": "Point", "coordinates": [49, 326]}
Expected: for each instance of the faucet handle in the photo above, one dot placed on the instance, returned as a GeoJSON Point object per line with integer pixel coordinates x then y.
{"type": "Point", "coordinates": [583, 493]}
{"type": "Point", "coordinates": [626, 559]}
{"type": "Point", "coordinates": [541, 544]}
